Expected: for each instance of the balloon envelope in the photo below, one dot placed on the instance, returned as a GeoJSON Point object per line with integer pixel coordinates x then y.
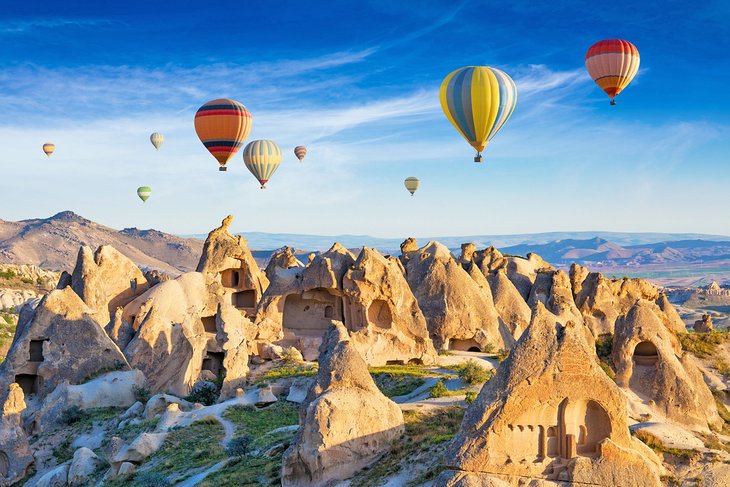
{"type": "Point", "coordinates": [157, 139]}
{"type": "Point", "coordinates": [48, 148]}
{"type": "Point", "coordinates": [144, 192]}
{"type": "Point", "coordinates": [478, 101]}
{"type": "Point", "coordinates": [262, 158]}
{"type": "Point", "coordinates": [222, 126]}
{"type": "Point", "coordinates": [300, 151]}
{"type": "Point", "coordinates": [612, 64]}
{"type": "Point", "coordinates": [412, 184]}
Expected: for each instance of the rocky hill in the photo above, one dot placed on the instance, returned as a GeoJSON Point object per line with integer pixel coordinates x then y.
{"type": "Point", "coordinates": [53, 243]}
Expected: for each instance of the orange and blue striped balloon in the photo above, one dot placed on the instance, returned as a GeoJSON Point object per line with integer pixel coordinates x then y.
{"type": "Point", "coordinates": [478, 101]}
{"type": "Point", "coordinates": [262, 158]}
{"type": "Point", "coordinates": [222, 126]}
{"type": "Point", "coordinates": [612, 64]}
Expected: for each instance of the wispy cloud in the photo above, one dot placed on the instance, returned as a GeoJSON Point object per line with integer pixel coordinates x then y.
{"type": "Point", "coordinates": [14, 27]}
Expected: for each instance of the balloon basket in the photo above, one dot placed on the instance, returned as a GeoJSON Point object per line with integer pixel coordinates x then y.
{"type": "Point", "coordinates": [223, 168]}
{"type": "Point", "coordinates": [613, 102]}
{"type": "Point", "coordinates": [478, 158]}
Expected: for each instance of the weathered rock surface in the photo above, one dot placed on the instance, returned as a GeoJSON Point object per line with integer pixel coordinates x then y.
{"type": "Point", "coordinates": [59, 341]}
{"type": "Point", "coordinates": [15, 454]}
{"type": "Point", "coordinates": [550, 413]}
{"type": "Point", "coordinates": [649, 361]}
{"type": "Point", "coordinates": [459, 314]}
{"type": "Point", "coordinates": [511, 307]}
{"type": "Point", "coordinates": [282, 258]}
{"type": "Point", "coordinates": [106, 280]}
{"type": "Point", "coordinates": [84, 464]}
{"type": "Point", "coordinates": [704, 325]}
{"type": "Point", "coordinates": [171, 342]}
{"type": "Point", "coordinates": [332, 442]}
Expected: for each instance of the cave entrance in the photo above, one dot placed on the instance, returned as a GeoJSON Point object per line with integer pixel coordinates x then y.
{"type": "Point", "coordinates": [213, 361]}
{"type": "Point", "coordinates": [36, 350]}
{"type": "Point", "coordinates": [209, 324]}
{"type": "Point", "coordinates": [468, 345]}
{"type": "Point", "coordinates": [231, 278]}
{"type": "Point", "coordinates": [582, 425]}
{"type": "Point", "coordinates": [379, 314]}
{"type": "Point", "coordinates": [311, 312]}
{"type": "Point", "coordinates": [244, 299]}
{"type": "Point", "coordinates": [28, 382]}
{"type": "Point", "coordinates": [646, 353]}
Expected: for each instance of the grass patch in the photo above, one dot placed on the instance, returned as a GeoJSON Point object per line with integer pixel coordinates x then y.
{"type": "Point", "coordinates": [440, 390]}
{"type": "Point", "coordinates": [472, 373]}
{"type": "Point", "coordinates": [703, 345]}
{"type": "Point", "coordinates": [652, 442]}
{"type": "Point", "coordinates": [256, 467]}
{"type": "Point", "coordinates": [186, 449]}
{"type": "Point", "coordinates": [287, 370]}
{"type": "Point", "coordinates": [393, 385]}
{"type": "Point", "coordinates": [413, 370]}
{"type": "Point", "coordinates": [426, 435]}
{"type": "Point", "coordinates": [257, 422]}
{"type": "Point", "coordinates": [75, 422]}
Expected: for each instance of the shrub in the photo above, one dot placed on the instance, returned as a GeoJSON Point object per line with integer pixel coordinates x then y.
{"type": "Point", "coordinates": [439, 390]}
{"type": "Point", "coordinates": [489, 348]}
{"type": "Point", "coordinates": [291, 355]}
{"type": "Point", "coordinates": [205, 393]}
{"type": "Point", "coordinates": [9, 274]}
{"type": "Point", "coordinates": [470, 396]}
{"type": "Point", "coordinates": [239, 447]}
{"type": "Point", "coordinates": [472, 373]}
{"type": "Point", "coordinates": [502, 354]}
{"type": "Point", "coordinates": [142, 394]}
{"type": "Point", "coordinates": [72, 415]}
{"type": "Point", "coordinates": [150, 479]}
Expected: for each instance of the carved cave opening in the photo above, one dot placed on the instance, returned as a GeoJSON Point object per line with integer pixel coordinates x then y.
{"type": "Point", "coordinates": [213, 361]}
{"type": "Point", "coordinates": [36, 350]}
{"type": "Point", "coordinates": [30, 383]}
{"type": "Point", "coordinates": [209, 324]}
{"type": "Point", "coordinates": [379, 314]}
{"type": "Point", "coordinates": [646, 353]}
{"type": "Point", "coordinates": [464, 345]}
{"type": "Point", "coordinates": [244, 299]}
{"type": "Point", "coordinates": [4, 465]}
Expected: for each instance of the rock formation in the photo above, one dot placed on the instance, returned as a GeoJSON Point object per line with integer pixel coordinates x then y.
{"type": "Point", "coordinates": [183, 331]}
{"type": "Point", "coordinates": [458, 313]}
{"type": "Point", "coordinates": [59, 341]}
{"type": "Point", "coordinates": [511, 307]}
{"type": "Point", "coordinates": [552, 288]}
{"type": "Point", "coordinates": [332, 442]}
{"type": "Point", "coordinates": [15, 454]}
{"type": "Point", "coordinates": [282, 258]}
{"type": "Point", "coordinates": [649, 361]}
{"type": "Point", "coordinates": [106, 280]}
{"type": "Point", "coordinates": [382, 313]}
{"type": "Point", "coordinates": [549, 413]}
{"type": "Point", "coordinates": [704, 325]}
{"type": "Point", "coordinates": [370, 296]}
{"type": "Point", "coordinates": [228, 262]}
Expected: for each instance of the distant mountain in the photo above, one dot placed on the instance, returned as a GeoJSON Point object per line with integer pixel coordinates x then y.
{"type": "Point", "coordinates": [53, 243]}
{"type": "Point", "coordinates": [266, 241]}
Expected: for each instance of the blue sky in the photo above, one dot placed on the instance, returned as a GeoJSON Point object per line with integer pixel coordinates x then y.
{"type": "Point", "coordinates": [357, 84]}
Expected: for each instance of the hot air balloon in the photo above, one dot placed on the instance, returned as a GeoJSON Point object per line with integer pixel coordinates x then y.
{"type": "Point", "coordinates": [48, 148]}
{"type": "Point", "coordinates": [478, 101]}
{"type": "Point", "coordinates": [157, 139]}
{"type": "Point", "coordinates": [222, 126]}
{"type": "Point", "coordinates": [262, 157]}
{"type": "Point", "coordinates": [144, 192]}
{"type": "Point", "coordinates": [612, 64]}
{"type": "Point", "coordinates": [300, 151]}
{"type": "Point", "coordinates": [412, 184]}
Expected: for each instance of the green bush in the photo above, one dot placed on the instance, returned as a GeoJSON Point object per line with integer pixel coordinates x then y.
{"type": "Point", "coordinates": [470, 396]}
{"type": "Point", "coordinates": [9, 274]}
{"type": "Point", "coordinates": [205, 393]}
{"type": "Point", "coordinates": [489, 348]}
{"type": "Point", "coordinates": [472, 373]}
{"type": "Point", "coordinates": [72, 415]}
{"type": "Point", "coordinates": [502, 354]}
{"type": "Point", "coordinates": [142, 394]}
{"type": "Point", "coordinates": [291, 355]}
{"type": "Point", "coordinates": [439, 390]}
{"type": "Point", "coordinates": [239, 447]}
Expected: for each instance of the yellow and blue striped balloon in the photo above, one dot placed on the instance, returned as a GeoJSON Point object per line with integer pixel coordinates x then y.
{"type": "Point", "coordinates": [478, 101]}
{"type": "Point", "coordinates": [262, 158]}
